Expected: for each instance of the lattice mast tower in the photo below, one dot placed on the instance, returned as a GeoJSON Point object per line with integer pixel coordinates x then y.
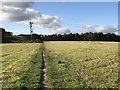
{"type": "Point", "coordinates": [31, 29]}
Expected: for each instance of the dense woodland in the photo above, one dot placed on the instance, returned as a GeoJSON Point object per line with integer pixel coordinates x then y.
{"type": "Point", "coordinates": [8, 37]}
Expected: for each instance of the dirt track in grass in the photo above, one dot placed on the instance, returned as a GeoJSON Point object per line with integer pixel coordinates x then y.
{"type": "Point", "coordinates": [44, 83]}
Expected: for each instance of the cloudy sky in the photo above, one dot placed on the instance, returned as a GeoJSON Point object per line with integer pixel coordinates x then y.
{"type": "Point", "coordinates": [59, 17]}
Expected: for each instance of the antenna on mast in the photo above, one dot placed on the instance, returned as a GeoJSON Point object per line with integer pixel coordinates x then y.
{"type": "Point", "coordinates": [31, 29]}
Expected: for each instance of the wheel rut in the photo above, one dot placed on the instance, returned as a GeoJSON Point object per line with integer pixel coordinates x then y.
{"type": "Point", "coordinates": [44, 83]}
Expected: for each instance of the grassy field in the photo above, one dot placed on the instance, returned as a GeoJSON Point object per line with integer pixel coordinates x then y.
{"type": "Point", "coordinates": [69, 64]}
{"type": "Point", "coordinates": [21, 65]}
{"type": "Point", "coordinates": [82, 64]}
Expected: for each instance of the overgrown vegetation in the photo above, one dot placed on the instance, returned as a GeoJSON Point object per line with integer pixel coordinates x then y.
{"type": "Point", "coordinates": [82, 64]}
{"type": "Point", "coordinates": [21, 65]}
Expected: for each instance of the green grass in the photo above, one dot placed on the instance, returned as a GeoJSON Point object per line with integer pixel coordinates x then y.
{"type": "Point", "coordinates": [82, 64]}
{"type": "Point", "coordinates": [21, 65]}
{"type": "Point", "coordinates": [69, 65]}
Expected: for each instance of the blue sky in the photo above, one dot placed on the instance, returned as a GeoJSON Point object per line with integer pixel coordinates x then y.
{"type": "Point", "coordinates": [74, 17]}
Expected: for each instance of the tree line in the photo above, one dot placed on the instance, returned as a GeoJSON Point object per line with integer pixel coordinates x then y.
{"type": "Point", "coordinates": [88, 36]}
{"type": "Point", "coordinates": [8, 37]}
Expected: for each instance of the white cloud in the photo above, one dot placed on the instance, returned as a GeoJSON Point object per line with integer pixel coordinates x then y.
{"type": "Point", "coordinates": [48, 22]}
{"type": "Point", "coordinates": [22, 13]}
{"type": "Point", "coordinates": [17, 11]}
{"type": "Point", "coordinates": [17, 4]}
{"type": "Point", "coordinates": [62, 31]}
{"type": "Point", "coordinates": [17, 14]}
{"type": "Point", "coordinates": [96, 28]}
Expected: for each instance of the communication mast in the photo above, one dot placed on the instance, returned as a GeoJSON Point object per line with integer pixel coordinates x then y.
{"type": "Point", "coordinates": [31, 29]}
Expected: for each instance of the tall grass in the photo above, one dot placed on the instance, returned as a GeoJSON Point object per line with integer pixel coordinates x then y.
{"type": "Point", "coordinates": [82, 64]}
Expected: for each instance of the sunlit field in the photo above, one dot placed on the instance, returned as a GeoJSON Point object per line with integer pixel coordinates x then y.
{"type": "Point", "coordinates": [21, 65]}
{"type": "Point", "coordinates": [82, 64]}
{"type": "Point", "coordinates": [69, 64]}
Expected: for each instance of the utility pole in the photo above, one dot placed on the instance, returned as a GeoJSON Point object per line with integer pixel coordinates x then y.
{"type": "Point", "coordinates": [31, 29]}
